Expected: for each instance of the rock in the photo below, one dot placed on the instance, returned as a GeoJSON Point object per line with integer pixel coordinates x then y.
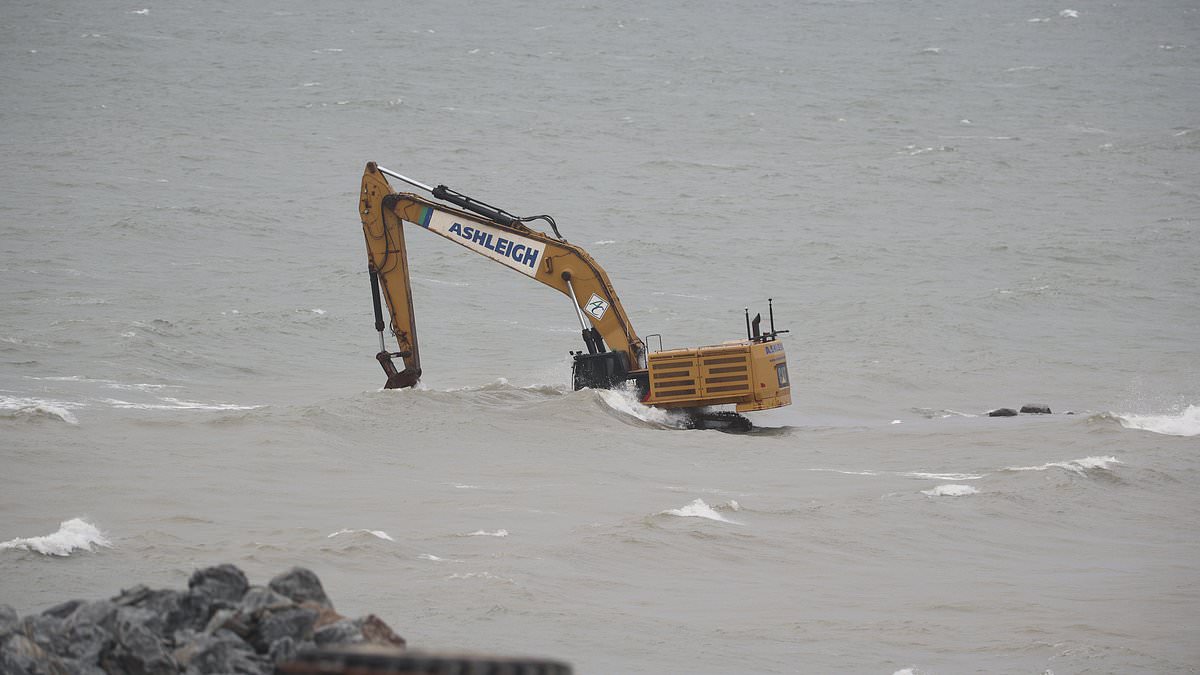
{"type": "Point", "coordinates": [1036, 408]}
{"type": "Point", "coordinates": [1003, 412]}
{"type": "Point", "coordinates": [63, 610]}
{"type": "Point", "coordinates": [326, 616]}
{"type": "Point", "coordinates": [220, 625]}
{"type": "Point", "coordinates": [370, 629]}
{"type": "Point", "coordinates": [98, 612]}
{"type": "Point", "coordinates": [44, 630]}
{"type": "Point", "coordinates": [221, 652]}
{"type": "Point", "coordinates": [230, 620]}
{"type": "Point", "coordinates": [20, 655]}
{"type": "Point", "coordinates": [300, 585]}
{"type": "Point", "coordinates": [137, 648]}
{"type": "Point", "coordinates": [222, 582]}
{"type": "Point", "coordinates": [376, 632]}
{"type": "Point", "coordinates": [259, 599]}
{"type": "Point", "coordinates": [295, 623]}
{"type": "Point", "coordinates": [346, 631]}
{"type": "Point", "coordinates": [8, 620]}
{"type": "Point", "coordinates": [287, 649]}
{"type": "Point", "coordinates": [85, 642]}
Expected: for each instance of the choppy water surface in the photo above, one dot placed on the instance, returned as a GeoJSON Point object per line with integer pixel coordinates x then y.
{"type": "Point", "coordinates": [956, 206]}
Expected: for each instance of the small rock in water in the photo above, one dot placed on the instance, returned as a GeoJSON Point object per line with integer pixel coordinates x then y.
{"type": "Point", "coordinates": [1003, 412]}
{"type": "Point", "coordinates": [1036, 408]}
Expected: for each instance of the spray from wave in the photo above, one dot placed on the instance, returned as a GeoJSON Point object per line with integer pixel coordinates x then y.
{"type": "Point", "coordinates": [75, 534]}
{"type": "Point", "coordinates": [698, 509]}
{"type": "Point", "coordinates": [1186, 423]}
{"type": "Point", "coordinates": [624, 400]}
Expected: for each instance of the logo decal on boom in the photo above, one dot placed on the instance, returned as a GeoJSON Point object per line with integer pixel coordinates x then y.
{"type": "Point", "coordinates": [596, 306]}
{"type": "Point", "coordinates": [506, 248]}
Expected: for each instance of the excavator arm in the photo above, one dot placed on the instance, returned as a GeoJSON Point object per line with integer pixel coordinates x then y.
{"type": "Point", "coordinates": [613, 348]}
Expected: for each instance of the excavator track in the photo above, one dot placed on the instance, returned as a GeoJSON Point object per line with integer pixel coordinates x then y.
{"type": "Point", "coordinates": [719, 421]}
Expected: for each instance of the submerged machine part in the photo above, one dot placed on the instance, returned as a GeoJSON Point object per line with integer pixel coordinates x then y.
{"type": "Point", "coordinates": [749, 374]}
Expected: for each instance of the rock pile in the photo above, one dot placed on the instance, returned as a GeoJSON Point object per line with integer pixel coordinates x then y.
{"type": "Point", "coordinates": [221, 624]}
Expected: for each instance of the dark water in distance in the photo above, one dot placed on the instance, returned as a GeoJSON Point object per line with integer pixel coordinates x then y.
{"type": "Point", "coordinates": [956, 207]}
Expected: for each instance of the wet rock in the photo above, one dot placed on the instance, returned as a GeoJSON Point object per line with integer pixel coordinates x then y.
{"type": "Point", "coordinates": [85, 642]}
{"type": "Point", "coordinates": [63, 610]}
{"type": "Point", "coordinates": [173, 607]}
{"type": "Point", "coordinates": [295, 623]}
{"type": "Point", "coordinates": [1035, 409]}
{"type": "Point", "coordinates": [376, 632]}
{"type": "Point", "coordinates": [8, 620]}
{"type": "Point", "coordinates": [44, 630]}
{"type": "Point", "coordinates": [221, 652]}
{"type": "Point", "coordinates": [369, 629]}
{"type": "Point", "coordinates": [98, 612]}
{"type": "Point", "coordinates": [222, 582]}
{"type": "Point", "coordinates": [137, 647]}
{"type": "Point", "coordinates": [344, 632]}
{"type": "Point", "coordinates": [20, 655]}
{"type": "Point", "coordinates": [287, 649]}
{"type": "Point", "coordinates": [260, 599]}
{"type": "Point", "coordinates": [1003, 412]}
{"type": "Point", "coordinates": [300, 585]}
{"type": "Point", "coordinates": [230, 620]}
{"type": "Point", "coordinates": [220, 625]}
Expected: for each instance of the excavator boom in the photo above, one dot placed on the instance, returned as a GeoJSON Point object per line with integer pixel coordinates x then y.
{"type": "Point", "coordinates": [721, 374]}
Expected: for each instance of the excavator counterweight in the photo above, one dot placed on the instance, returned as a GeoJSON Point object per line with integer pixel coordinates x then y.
{"type": "Point", "coordinates": [750, 374]}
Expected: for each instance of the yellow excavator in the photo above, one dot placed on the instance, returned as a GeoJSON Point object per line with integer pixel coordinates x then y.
{"type": "Point", "coordinates": [750, 374]}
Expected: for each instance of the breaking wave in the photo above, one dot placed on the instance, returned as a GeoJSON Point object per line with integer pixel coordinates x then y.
{"type": "Point", "coordinates": [75, 534]}
{"type": "Point", "coordinates": [951, 491]}
{"type": "Point", "coordinates": [698, 509]}
{"type": "Point", "coordinates": [33, 408]}
{"type": "Point", "coordinates": [624, 400]}
{"type": "Point", "coordinates": [1079, 466]}
{"type": "Point", "coordinates": [1185, 423]}
{"type": "Point", "coordinates": [485, 533]}
{"type": "Point", "coordinates": [379, 534]}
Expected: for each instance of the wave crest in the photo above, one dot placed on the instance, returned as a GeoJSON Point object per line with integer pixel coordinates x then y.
{"type": "Point", "coordinates": [698, 509]}
{"type": "Point", "coordinates": [34, 409]}
{"type": "Point", "coordinates": [72, 535]}
{"type": "Point", "coordinates": [1186, 423]}
{"type": "Point", "coordinates": [1078, 466]}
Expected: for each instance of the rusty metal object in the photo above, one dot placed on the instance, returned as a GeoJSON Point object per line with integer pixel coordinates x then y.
{"type": "Point", "coordinates": [397, 379]}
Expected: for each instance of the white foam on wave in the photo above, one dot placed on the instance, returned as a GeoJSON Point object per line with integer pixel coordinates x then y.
{"type": "Point", "coordinates": [481, 575]}
{"type": "Point", "coordinates": [624, 399]}
{"type": "Point", "coordinates": [698, 509]}
{"type": "Point", "coordinates": [23, 407]}
{"type": "Point", "coordinates": [1079, 466]}
{"type": "Point", "coordinates": [75, 534]}
{"type": "Point", "coordinates": [484, 533]}
{"type": "Point", "coordinates": [178, 404]}
{"type": "Point", "coordinates": [379, 534]}
{"type": "Point", "coordinates": [1186, 423]}
{"type": "Point", "coordinates": [943, 476]}
{"type": "Point", "coordinates": [951, 491]}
